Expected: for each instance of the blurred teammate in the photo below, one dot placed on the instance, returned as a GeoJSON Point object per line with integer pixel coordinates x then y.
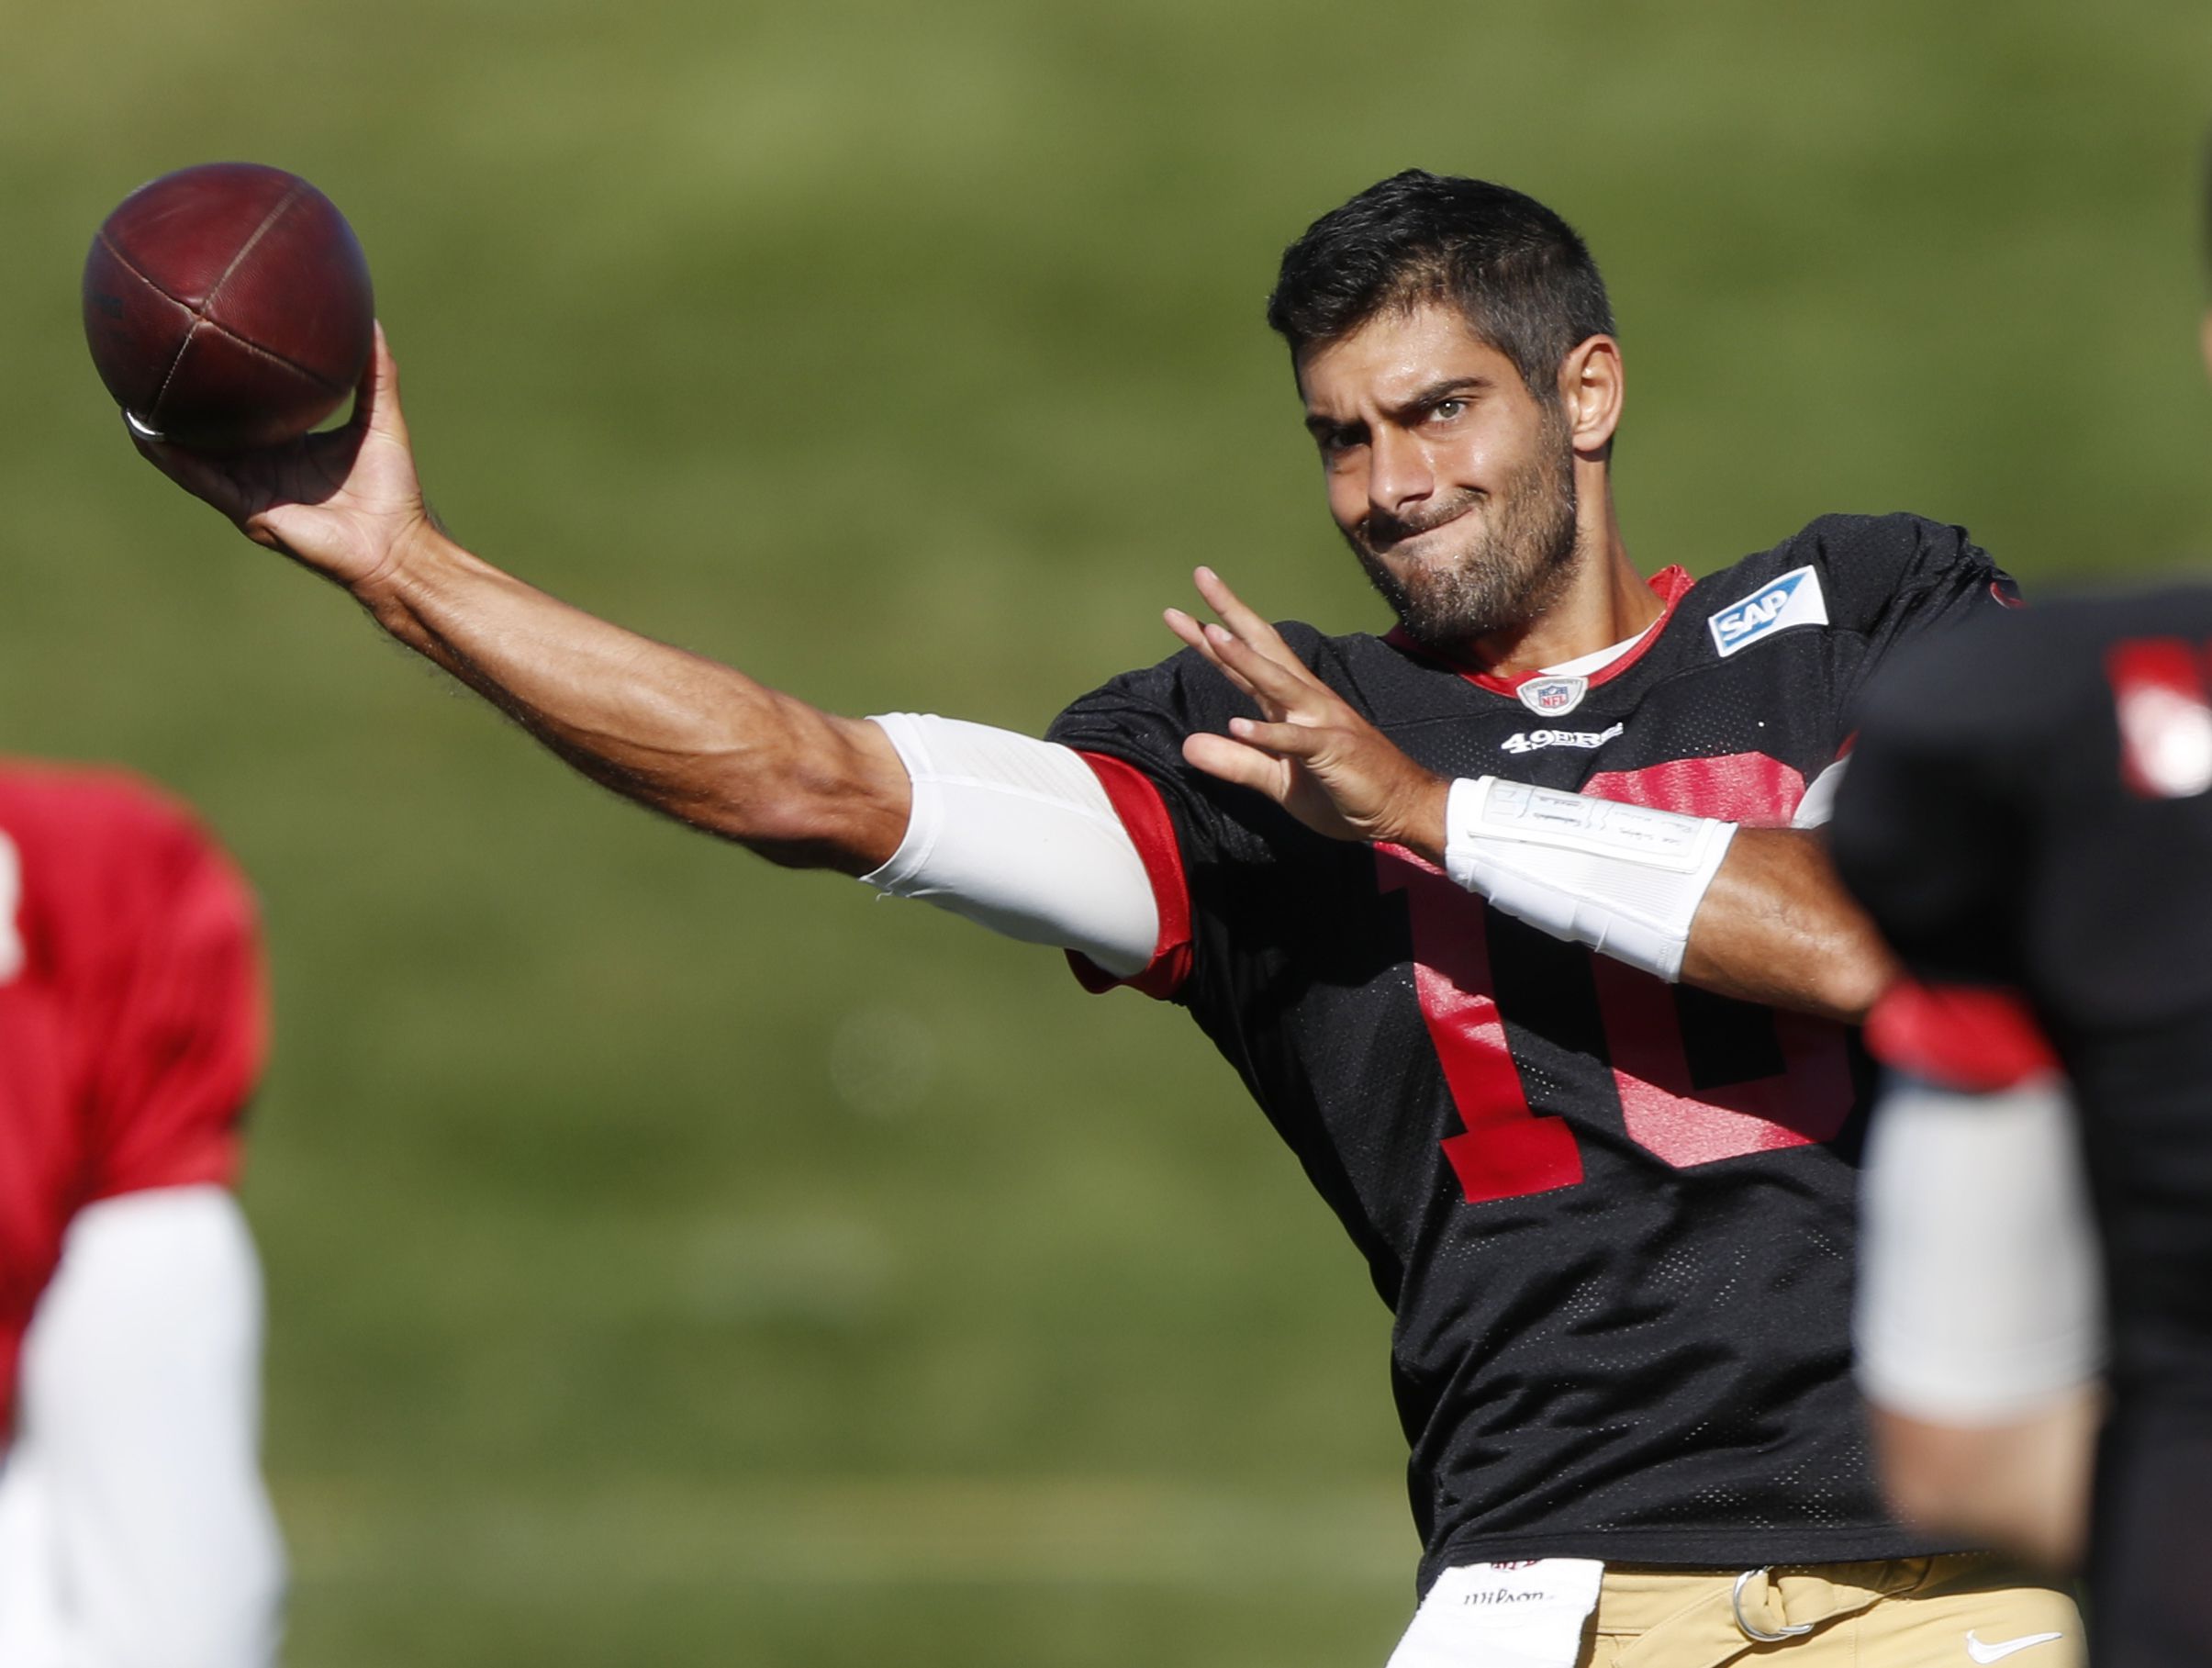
{"type": "Point", "coordinates": [1609, 1196]}
{"type": "Point", "coordinates": [134, 1531]}
{"type": "Point", "coordinates": [2029, 819]}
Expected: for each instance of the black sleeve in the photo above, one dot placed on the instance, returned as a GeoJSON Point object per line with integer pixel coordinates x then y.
{"type": "Point", "coordinates": [1141, 719]}
{"type": "Point", "coordinates": [1235, 849]}
{"type": "Point", "coordinates": [1893, 578]}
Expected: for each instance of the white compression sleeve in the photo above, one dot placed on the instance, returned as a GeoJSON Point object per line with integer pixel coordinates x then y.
{"type": "Point", "coordinates": [1624, 880]}
{"type": "Point", "coordinates": [133, 1524]}
{"type": "Point", "coordinates": [1979, 1282]}
{"type": "Point", "coordinates": [1017, 835]}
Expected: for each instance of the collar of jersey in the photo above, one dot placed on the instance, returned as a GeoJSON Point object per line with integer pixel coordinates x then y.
{"type": "Point", "coordinates": [1670, 585]}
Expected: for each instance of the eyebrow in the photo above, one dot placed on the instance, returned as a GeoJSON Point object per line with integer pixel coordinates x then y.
{"type": "Point", "coordinates": [1435, 392]}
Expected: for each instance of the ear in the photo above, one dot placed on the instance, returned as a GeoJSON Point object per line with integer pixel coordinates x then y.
{"type": "Point", "coordinates": [1589, 393]}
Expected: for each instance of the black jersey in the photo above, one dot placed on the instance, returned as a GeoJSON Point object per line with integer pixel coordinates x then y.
{"type": "Point", "coordinates": [2028, 819]}
{"type": "Point", "coordinates": [1611, 1217]}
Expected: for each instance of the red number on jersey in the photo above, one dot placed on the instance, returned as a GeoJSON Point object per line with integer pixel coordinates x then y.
{"type": "Point", "coordinates": [1508, 1150]}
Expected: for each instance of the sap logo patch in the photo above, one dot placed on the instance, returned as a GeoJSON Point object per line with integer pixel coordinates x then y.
{"type": "Point", "coordinates": [1552, 696]}
{"type": "Point", "coordinates": [1795, 598]}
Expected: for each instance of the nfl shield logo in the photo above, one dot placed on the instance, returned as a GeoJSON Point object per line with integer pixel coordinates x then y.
{"type": "Point", "coordinates": [1551, 696]}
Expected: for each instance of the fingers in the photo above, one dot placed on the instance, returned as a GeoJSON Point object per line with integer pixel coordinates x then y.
{"type": "Point", "coordinates": [1237, 615]}
{"type": "Point", "coordinates": [1245, 629]}
{"type": "Point", "coordinates": [1284, 740]}
{"type": "Point", "coordinates": [1194, 633]}
{"type": "Point", "coordinates": [191, 470]}
{"type": "Point", "coordinates": [1243, 766]}
{"type": "Point", "coordinates": [1283, 687]}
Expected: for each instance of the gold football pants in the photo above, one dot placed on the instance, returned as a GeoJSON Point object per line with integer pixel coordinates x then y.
{"type": "Point", "coordinates": [1961, 1611]}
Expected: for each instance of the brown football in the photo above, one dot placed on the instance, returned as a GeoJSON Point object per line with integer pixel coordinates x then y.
{"type": "Point", "coordinates": [227, 306]}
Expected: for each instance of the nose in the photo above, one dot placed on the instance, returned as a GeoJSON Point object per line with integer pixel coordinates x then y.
{"type": "Point", "coordinates": [1398, 475]}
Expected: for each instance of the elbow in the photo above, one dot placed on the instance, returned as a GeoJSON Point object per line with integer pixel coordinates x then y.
{"type": "Point", "coordinates": [834, 796]}
{"type": "Point", "coordinates": [1854, 980]}
{"type": "Point", "coordinates": [815, 825]}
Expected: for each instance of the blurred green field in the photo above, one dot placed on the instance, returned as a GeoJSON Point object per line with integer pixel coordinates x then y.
{"type": "Point", "coordinates": [672, 1260]}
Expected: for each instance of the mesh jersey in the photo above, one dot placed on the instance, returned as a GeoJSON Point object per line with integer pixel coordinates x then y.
{"type": "Point", "coordinates": [2028, 820]}
{"type": "Point", "coordinates": [1611, 1217]}
{"type": "Point", "coordinates": [132, 1013]}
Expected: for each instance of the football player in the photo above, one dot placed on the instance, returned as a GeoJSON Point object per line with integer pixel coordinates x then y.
{"type": "Point", "coordinates": [2029, 818]}
{"type": "Point", "coordinates": [134, 1530]}
{"type": "Point", "coordinates": [1511, 921]}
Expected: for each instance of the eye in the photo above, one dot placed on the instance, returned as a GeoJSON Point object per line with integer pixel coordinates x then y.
{"type": "Point", "coordinates": [1444, 411]}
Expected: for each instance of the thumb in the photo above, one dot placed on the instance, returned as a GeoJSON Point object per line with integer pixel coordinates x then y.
{"type": "Point", "coordinates": [376, 400]}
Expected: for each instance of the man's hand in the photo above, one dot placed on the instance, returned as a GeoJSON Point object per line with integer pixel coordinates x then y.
{"type": "Point", "coordinates": [1313, 755]}
{"type": "Point", "coordinates": [1775, 926]}
{"type": "Point", "coordinates": [344, 503]}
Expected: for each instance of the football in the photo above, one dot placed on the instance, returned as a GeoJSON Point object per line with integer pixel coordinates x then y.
{"type": "Point", "coordinates": [227, 306]}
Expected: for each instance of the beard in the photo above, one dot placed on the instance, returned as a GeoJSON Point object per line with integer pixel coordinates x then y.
{"type": "Point", "coordinates": [1513, 569]}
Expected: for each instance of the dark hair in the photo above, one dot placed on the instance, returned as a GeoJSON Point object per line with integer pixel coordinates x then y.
{"type": "Point", "coordinates": [1518, 273]}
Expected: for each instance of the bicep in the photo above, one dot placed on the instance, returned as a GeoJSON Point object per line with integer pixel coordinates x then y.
{"type": "Point", "coordinates": [141, 1418]}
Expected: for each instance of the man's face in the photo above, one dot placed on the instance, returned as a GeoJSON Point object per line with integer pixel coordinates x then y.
{"type": "Point", "coordinates": [1452, 484]}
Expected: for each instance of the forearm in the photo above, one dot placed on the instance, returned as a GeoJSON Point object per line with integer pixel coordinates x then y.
{"type": "Point", "coordinates": [1776, 927]}
{"type": "Point", "coordinates": [1753, 913]}
{"type": "Point", "coordinates": [683, 735]}
{"type": "Point", "coordinates": [674, 732]}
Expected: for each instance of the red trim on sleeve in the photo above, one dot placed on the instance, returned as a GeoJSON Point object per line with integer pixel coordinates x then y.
{"type": "Point", "coordinates": [1961, 1037]}
{"type": "Point", "coordinates": [1136, 801]}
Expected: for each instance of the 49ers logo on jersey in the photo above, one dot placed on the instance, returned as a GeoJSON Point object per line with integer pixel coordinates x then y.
{"type": "Point", "coordinates": [1530, 741]}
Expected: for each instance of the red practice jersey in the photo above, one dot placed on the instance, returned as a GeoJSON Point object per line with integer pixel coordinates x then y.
{"type": "Point", "coordinates": [133, 1013]}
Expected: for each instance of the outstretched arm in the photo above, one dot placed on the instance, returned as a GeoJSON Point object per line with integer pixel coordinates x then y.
{"type": "Point", "coordinates": [686, 736]}
{"type": "Point", "coordinates": [1771, 923]}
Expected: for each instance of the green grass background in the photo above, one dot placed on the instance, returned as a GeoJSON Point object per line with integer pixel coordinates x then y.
{"type": "Point", "coordinates": [675, 1260]}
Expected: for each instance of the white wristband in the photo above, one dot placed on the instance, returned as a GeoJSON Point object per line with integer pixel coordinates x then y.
{"type": "Point", "coordinates": [1624, 880]}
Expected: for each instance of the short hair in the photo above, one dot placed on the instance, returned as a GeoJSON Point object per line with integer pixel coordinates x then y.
{"type": "Point", "coordinates": [1518, 273]}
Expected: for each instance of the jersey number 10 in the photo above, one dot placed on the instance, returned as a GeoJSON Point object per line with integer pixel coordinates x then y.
{"type": "Point", "coordinates": [1508, 1148]}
